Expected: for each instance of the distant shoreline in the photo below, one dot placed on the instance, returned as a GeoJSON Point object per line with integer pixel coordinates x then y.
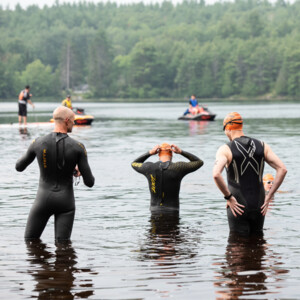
{"type": "Point", "coordinates": [154, 100]}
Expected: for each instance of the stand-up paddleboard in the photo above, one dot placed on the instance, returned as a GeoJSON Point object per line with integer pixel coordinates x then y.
{"type": "Point", "coordinates": [29, 125]}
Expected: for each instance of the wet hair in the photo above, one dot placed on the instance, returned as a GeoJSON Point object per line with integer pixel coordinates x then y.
{"type": "Point", "coordinates": [27, 87]}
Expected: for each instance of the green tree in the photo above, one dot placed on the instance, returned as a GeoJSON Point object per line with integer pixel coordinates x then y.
{"type": "Point", "coordinates": [100, 64]}
{"type": "Point", "coordinates": [256, 24]}
{"type": "Point", "coordinates": [293, 69]}
{"type": "Point", "coordinates": [40, 78]}
{"type": "Point", "coordinates": [147, 71]}
{"type": "Point", "coordinates": [281, 86]}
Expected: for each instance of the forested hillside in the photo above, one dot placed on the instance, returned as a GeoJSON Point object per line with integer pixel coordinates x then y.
{"type": "Point", "coordinates": [246, 48]}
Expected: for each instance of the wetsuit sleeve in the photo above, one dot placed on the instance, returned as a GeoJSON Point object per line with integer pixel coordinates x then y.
{"type": "Point", "coordinates": [138, 164]}
{"type": "Point", "coordinates": [85, 169]}
{"type": "Point", "coordinates": [27, 159]}
{"type": "Point", "coordinates": [194, 164]}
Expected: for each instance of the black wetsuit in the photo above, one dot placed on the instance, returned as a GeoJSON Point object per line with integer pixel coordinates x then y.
{"type": "Point", "coordinates": [57, 155]}
{"type": "Point", "coordinates": [245, 182]}
{"type": "Point", "coordinates": [164, 178]}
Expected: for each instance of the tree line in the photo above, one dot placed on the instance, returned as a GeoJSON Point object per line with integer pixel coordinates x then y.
{"type": "Point", "coordinates": [241, 48]}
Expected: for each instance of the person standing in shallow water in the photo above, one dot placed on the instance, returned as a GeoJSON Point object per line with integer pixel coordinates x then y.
{"type": "Point", "coordinates": [164, 177]}
{"type": "Point", "coordinates": [59, 158]}
{"type": "Point", "coordinates": [24, 98]}
{"type": "Point", "coordinates": [244, 159]}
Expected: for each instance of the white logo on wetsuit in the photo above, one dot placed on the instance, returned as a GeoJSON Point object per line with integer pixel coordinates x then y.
{"type": "Point", "coordinates": [248, 157]}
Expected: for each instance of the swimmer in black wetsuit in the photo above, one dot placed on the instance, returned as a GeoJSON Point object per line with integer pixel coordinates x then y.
{"type": "Point", "coordinates": [59, 157]}
{"type": "Point", "coordinates": [244, 159]}
{"type": "Point", "coordinates": [164, 177]}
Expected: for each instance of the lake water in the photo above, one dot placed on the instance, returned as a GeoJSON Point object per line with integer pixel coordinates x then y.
{"type": "Point", "coordinates": [120, 251]}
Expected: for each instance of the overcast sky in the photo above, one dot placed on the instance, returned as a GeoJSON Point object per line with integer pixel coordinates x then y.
{"type": "Point", "coordinates": [24, 3]}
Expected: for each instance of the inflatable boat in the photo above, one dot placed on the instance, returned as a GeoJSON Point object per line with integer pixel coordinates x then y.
{"type": "Point", "coordinates": [80, 117]}
{"type": "Point", "coordinates": [206, 115]}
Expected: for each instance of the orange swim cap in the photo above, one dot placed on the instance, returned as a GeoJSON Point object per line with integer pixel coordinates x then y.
{"type": "Point", "coordinates": [268, 177]}
{"type": "Point", "coordinates": [165, 149]}
{"type": "Point", "coordinates": [233, 121]}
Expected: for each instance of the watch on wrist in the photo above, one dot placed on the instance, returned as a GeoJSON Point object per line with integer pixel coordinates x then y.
{"type": "Point", "coordinates": [228, 197]}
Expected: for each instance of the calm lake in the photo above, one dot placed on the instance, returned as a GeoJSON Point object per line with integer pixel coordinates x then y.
{"type": "Point", "coordinates": [120, 251]}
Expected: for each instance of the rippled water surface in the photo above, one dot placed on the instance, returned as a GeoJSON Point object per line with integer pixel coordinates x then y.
{"type": "Point", "coordinates": [119, 250]}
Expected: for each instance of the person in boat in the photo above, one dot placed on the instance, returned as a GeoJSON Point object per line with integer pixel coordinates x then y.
{"type": "Point", "coordinates": [24, 98]}
{"type": "Point", "coordinates": [60, 158]}
{"type": "Point", "coordinates": [67, 102]}
{"type": "Point", "coordinates": [244, 158]}
{"type": "Point", "coordinates": [164, 177]}
{"type": "Point", "coordinates": [194, 107]}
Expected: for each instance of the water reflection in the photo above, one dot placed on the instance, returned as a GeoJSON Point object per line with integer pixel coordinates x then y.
{"type": "Point", "coordinates": [165, 243]}
{"type": "Point", "coordinates": [24, 132]}
{"type": "Point", "coordinates": [198, 127]}
{"type": "Point", "coordinates": [54, 273]}
{"type": "Point", "coordinates": [249, 266]}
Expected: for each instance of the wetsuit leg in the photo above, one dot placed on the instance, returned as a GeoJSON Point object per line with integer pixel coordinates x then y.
{"type": "Point", "coordinates": [238, 224]}
{"type": "Point", "coordinates": [256, 220]}
{"type": "Point", "coordinates": [250, 222]}
{"type": "Point", "coordinates": [36, 223]}
{"type": "Point", "coordinates": [63, 225]}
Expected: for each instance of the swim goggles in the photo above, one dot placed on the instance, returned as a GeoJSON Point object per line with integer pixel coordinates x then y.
{"type": "Point", "coordinates": [233, 122]}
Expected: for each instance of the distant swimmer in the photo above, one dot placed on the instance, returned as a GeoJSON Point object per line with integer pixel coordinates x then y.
{"type": "Point", "coordinates": [24, 98]}
{"type": "Point", "coordinates": [164, 177]}
{"type": "Point", "coordinates": [244, 159]}
{"type": "Point", "coordinates": [268, 180]}
{"type": "Point", "coordinates": [67, 102]}
{"type": "Point", "coordinates": [59, 158]}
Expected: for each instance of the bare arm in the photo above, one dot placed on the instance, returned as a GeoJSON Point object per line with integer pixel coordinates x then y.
{"type": "Point", "coordinates": [220, 163]}
{"type": "Point", "coordinates": [273, 160]}
{"type": "Point", "coordinates": [223, 157]}
{"type": "Point", "coordinates": [30, 102]}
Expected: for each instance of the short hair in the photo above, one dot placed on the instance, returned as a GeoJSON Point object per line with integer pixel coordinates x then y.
{"type": "Point", "coordinates": [61, 113]}
{"type": "Point", "coordinates": [27, 87]}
